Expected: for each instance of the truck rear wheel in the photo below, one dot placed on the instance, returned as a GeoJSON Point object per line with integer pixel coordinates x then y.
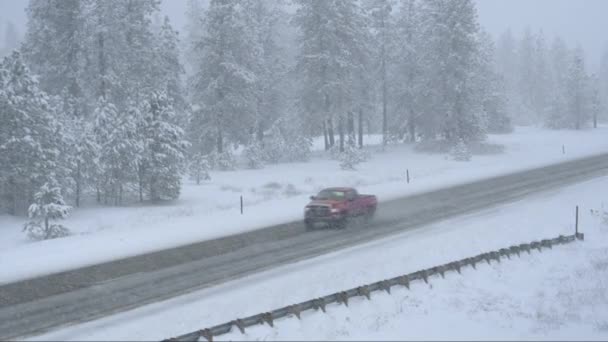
{"type": "Point", "coordinates": [342, 223]}
{"type": "Point", "coordinates": [309, 226]}
{"type": "Point", "coordinates": [370, 215]}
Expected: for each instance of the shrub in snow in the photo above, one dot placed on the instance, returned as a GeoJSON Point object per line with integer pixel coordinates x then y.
{"type": "Point", "coordinates": [351, 157]}
{"type": "Point", "coordinates": [224, 161]}
{"type": "Point", "coordinates": [48, 206]}
{"type": "Point", "coordinates": [298, 149]}
{"type": "Point", "coordinates": [199, 168]}
{"type": "Point", "coordinates": [254, 155]}
{"type": "Point", "coordinates": [602, 214]}
{"type": "Point", "coordinates": [461, 152]}
{"type": "Point", "coordinates": [286, 143]}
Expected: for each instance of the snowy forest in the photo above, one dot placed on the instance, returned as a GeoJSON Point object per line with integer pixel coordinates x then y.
{"type": "Point", "coordinates": [105, 102]}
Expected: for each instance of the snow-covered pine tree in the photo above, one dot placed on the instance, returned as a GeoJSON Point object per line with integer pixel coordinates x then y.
{"type": "Point", "coordinates": [507, 67]}
{"type": "Point", "coordinates": [164, 149]}
{"type": "Point", "coordinates": [406, 73]}
{"type": "Point", "coordinates": [453, 109]}
{"type": "Point", "coordinates": [120, 152]}
{"type": "Point", "coordinates": [170, 71]}
{"type": "Point", "coordinates": [577, 85]}
{"type": "Point", "coordinates": [330, 62]}
{"type": "Point", "coordinates": [223, 83]}
{"type": "Point", "coordinates": [461, 152]}
{"type": "Point", "coordinates": [542, 77]}
{"type": "Point", "coordinates": [55, 49]}
{"type": "Point", "coordinates": [83, 156]}
{"type": "Point", "coordinates": [199, 168]}
{"type": "Point", "coordinates": [48, 206]}
{"type": "Point", "coordinates": [595, 100]}
{"type": "Point", "coordinates": [526, 80]}
{"type": "Point", "coordinates": [556, 116]}
{"type": "Point", "coordinates": [491, 88]}
{"type": "Point", "coordinates": [351, 157]}
{"type": "Point", "coordinates": [254, 154]}
{"type": "Point", "coordinates": [31, 139]}
{"type": "Point", "coordinates": [193, 34]}
{"type": "Point", "coordinates": [382, 25]}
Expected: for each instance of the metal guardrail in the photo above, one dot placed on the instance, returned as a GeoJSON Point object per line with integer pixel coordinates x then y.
{"type": "Point", "coordinates": [366, 290]}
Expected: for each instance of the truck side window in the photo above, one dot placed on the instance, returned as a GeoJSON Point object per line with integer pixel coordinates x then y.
{"type": "Point", "coordinates": [351, 195]}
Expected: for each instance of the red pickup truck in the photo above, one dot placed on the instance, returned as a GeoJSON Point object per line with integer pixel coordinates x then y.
{"type": "Point", "coordinates": [335, 206]}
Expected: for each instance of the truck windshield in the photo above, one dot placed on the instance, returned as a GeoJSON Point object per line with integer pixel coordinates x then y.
{"type": "Point", "coordinates": [331, 195]}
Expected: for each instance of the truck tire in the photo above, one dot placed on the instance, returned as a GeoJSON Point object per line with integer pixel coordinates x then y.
{"type": "Point", "coordinates": [370, 215]}
{"type": "Point", "coordinates": [309, 226]}
{"type": "Point", "coordinates": [343, 223]}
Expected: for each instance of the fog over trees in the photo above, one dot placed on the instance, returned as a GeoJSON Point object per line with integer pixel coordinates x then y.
{"type": "Point", "coordinates": [104, 100]}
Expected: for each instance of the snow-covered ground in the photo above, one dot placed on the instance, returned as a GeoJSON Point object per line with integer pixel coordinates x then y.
{"type": "Point", "coordinates": [273, 195]}
{"type": "Point", "coordinates": [560, 294]}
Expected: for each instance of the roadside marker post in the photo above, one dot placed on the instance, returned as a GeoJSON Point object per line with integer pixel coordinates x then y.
{"type": "Point", "coordinates": [241, 205]}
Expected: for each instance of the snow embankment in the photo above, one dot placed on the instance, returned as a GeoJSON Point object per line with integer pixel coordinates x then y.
{"type": "Point", "coordinates": [560, 294]}
{"type": "Point", "coordinates": [273, 195]}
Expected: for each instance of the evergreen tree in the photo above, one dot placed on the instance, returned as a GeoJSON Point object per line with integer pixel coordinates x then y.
{"type": "Point", "coordinates": [164, 149]}
{"type": "Point", "coordinates": [31, 140]}
{"type": "Point", "coordinates": [120, 152]}
{"type": "Point", "coordinates": [170, 71]}
{"type": "Point", "coordinates": [450, 55]}
{"type": "Point", "coordinates": [199, 168]}
{"type": "Point", "coordinates": [526, 83]}
{"type": "Point", "coordinates": [577, 86]}
{"type": "Point", "coordinates": [491, 88]}
{"type": "Point", "coordinates": [48, 206]}
{"type": "Point", "coordinates": [558, 93]}
{"type": "Point", "coordinates": [262, 19]}
{"type": "Point", "coordinates": [55, 49]}
{"type": "Point", "coordinates": [507, 66]}
{"type": "Point", "coordinates": [223, 84]}
{"type": "Point", "coordinates": [83, 156]}
{"type": "Point", "coordinates": [407, 73]}
{"type": "Point", "coordinates": [382, 25]}
{"type": "Point", "coordinates": [331, 62]}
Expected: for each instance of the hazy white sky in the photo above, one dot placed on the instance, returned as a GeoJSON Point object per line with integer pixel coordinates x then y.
{"type": "Point", "coordinates": [578, 21]}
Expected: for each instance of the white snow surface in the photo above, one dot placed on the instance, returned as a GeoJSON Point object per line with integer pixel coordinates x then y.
{"type": "Point", "coordinates": [273, 195]}
{"type": "Point", "coordinates": [561, 294]}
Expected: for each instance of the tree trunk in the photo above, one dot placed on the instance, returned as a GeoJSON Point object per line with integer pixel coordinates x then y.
{"type": "Point", "coordinates": [360, 127]}
{"type": "Point", "coordinates": [47, 233]}
{"type": "Point", "coordinates": [260, 134]}
{"type": "Point", "coordinates": [411, 125]}
{"type": "Point", "coordinates": [78, 181]}
{"type": "Point", "coordinates": [325, 138]}
{"type": "Point", "coordinates": [341, 132]}
{"type": "Point", "coordinates": [595, 120]}
{"type": "Point", "coordinates": [351, 128]}
{"type": "Point", "coordinates": [332, 139]}
{"type": "Point", "coordinates": [220, 141]}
